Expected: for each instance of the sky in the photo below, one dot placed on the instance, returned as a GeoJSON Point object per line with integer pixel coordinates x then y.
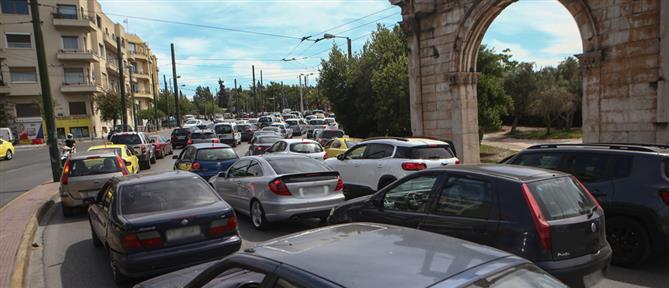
{"type": "Point", "coordinates": [277, 27]}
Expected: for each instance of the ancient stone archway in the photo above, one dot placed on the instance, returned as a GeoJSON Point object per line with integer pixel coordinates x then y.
{"type": "Point", "coordinates": [625, 59]}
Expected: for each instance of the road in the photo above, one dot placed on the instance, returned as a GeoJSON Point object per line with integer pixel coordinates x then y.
{"type": "Point", "coordinates": [65, 256]}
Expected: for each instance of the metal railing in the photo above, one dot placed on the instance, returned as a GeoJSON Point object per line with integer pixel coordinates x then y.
{"type": "Point", "coordinates": [57, 15]}
{"type": "Point", "coordinates": [77, 51]}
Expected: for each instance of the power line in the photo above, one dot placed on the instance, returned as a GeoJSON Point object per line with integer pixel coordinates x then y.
{"type": "Point", "coordinates": [355, 20]}
{"type": "Point", "coordinates": [362, 25]}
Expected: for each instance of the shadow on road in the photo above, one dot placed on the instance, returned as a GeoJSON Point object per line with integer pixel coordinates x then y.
{"type": "Point", "coordinates": [250, 234]}
{"type": "Point", "coordinates": [653, 273]}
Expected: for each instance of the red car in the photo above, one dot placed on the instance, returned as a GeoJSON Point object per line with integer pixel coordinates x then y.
{"type": "Point", "coordinates": [163, 145]}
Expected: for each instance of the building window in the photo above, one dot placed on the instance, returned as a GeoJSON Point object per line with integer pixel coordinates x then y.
{"type": "Point", "coordinates": [131, 47]}
{"type": "Point", "coordinates": [77, 108]}
{"type": "Point", "coordinates": [18, 40]}
{"type": "Point", "coordinates": [70, 42]}
{"type": "Point", "coordinates": [74, 75]}
{"type": "Point", "coordinates": [15, 7]}
{"type": "Point", "coordinates": [98, 21]}
{"type": "Point", "coordinates": [135, 88]}
{"type": "Point", "coordinates": [27, 110]}
{"type": "Point", "coordinates": [67, 11]}
{"type": "Point", "coordinates": [101, 50]}
{"type": "Point", "coordinates": [80, 132]}
{"type": "Point", "coordinates": [23, 74]}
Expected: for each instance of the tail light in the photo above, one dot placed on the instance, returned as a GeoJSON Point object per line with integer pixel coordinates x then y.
{"type": "Point", "coordinates": [279, 188]}
{"type": "Point", "coordinates": [540, 223]}
{"type": "Point", "coordinates": [121, 164]}
{"type": "Point", "coordinates": [149, 239]}
{"type": "Point", "coordinates": [664, 194]}
{"type": "Point", "coordinates": [259, 148]}
{"type": "Point", "coordinates": [215, 141]}
{"type": "Point", "coordinates": [219, 227]}
{"type": "Point", "coordinates": [196, 166]}
{"type": "Point", "coordinates": [189, 142]}
{"type": "Point", "coordinates": [340, 184]}
{"type": "Point", "coordinates": [66, 173]}
{"type": "Point", "coordinates": [592, 197]}
{"type": "Point", "coordinates": [143, 149]}
{"type": "Point", "coordinates": [457, 162]}
{"type": "Point", "coordinates": [413, 166]}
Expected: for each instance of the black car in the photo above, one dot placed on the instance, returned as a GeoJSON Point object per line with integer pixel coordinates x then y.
{"type": "Point", "coordinates": [544, 216]}
{"type": "Point", "coordinates": [149, 226]}
{"type": "Point", "coordinates": [261, 143]}
{"type": "Point", "coordinates": [363, 255]}
{"type": "Point", "coordinates": [180, 137]}
{"type": "Point", "coordinates": [630, 181]}
{"type": "Point", "coordinates": [247, 131]}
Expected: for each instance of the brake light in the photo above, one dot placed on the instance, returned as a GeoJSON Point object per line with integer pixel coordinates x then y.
{"type": "Point", "coordinates": [131, 241]}
{"type": "Point", "coordinates": [340, 184]}
{"type": "Point", "coordinates": [145, 239]}
{"type": "Point", "coordinates": [279, 188]}
{"type": "Point", "coordinates": [592, 197]}
{"type": "Point", "coordinates": [664, 194]}
{"type": "Point", "coordinates": [413, 166]}
{"type": "Point", "coordinates": [196, 166]}
{"type": "Point", "coordinates": [143, 149]}
{"type": "Point", "coordinates": [540, 223]}
{"type": "Point", "coordinates": [457, 162]}
{"type": "Point", "coordinates": [66, 173]}
{"type": "Point", "coordinates": [189, 142]}
{"type": "Point", "coordinates": [221, 226]}
{"type": "Point", "coordinates": [215, 141]}
{"type": "Point", "coordinates": [121, 164]}
{"type": "Point", "coordinates": [259, 148]}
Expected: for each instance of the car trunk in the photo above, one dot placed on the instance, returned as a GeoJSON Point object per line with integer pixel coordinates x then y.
{"type": "Point", "coordinates": [312, 185]}
{"type": "Point", "coordinates": [577, 236]}
{"type": "Point", "coordinates": [88, 186]}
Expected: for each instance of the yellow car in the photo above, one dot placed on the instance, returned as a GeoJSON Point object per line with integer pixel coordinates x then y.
{"type": "Point", "coordinates": [337, 146]}
{"type": "Point", "coordinates": [131, 160]}
{"type": "Point", "coordinates": [6, 150]}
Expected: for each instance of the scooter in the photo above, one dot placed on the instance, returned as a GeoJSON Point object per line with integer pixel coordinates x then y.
{"type": "Point", "coordinates": [65, 154]}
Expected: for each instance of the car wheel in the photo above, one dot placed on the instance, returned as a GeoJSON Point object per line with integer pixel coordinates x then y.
{"type": "Point", "coordinates": [161, 154]}
{"type": "Point", "coordinates": [117, 275]}
{"type": "Point", "coordinates": [258, 216]}
{"type": "Point", "coordinates": [67, 211]}
{"type": "Point", "coordinates": [385, 182]}
{"type": "Point", "coordinates": [629, 241]}
{"type": "Point", "coordinates": [9, 155]}
{"type": "Point", "coordinates": [145, 165]}
{"type": "Point", "coordinates": [96, 240]}
{"type": "Point", "coordinates": [153, 158]}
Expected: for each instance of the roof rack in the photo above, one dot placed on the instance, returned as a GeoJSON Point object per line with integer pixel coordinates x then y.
{"type": "Point", "coordinates": [612, 146]}
{"type": "Point", "coordinates": [406, 139]}
{"type": "Point", "coordinates": [386, 137]}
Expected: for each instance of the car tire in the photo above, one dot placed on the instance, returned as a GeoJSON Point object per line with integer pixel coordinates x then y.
{"type": "Point", "coordinates": [9, 155]}
{"type": "Point", "coordinates": [145, 165]}
{"type": "Point", "coordinates": [117, 275]}
{"type": "Point", "coordinates": [629, 241]}
{"type": "Point", "coordinates": [153, 158]}
{"type": "Point", "coordinates": [385, 181]}
{"type": "Point", "coordinates": [94, 237]}
{"type": "Point", "coordinates": [161, 154]}
{"type": "Point", "coordinates": [257, 214]}
{"type": "Point", "coordinates": [67, 211]}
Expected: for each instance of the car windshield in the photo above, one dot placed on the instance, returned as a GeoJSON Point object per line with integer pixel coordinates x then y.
{"type": "Point", "coordinates": [202, 135]}
{"type": "Point", "coordinates": [223, 129]}
{"type": "Point", "coordinates": [292, 165]}
{"type": "Point", "coordinates": [93, 166]}
{"type": "Point", "coordinates": [306, 147]}
{"type": "Point", "coordinates": [350, 143]}
{"type": "Point", "coordinates": [131, 139]}
{"type": "Point", "coordinates": [316, 122]}
{"type": "Point", "coordinates": [561, 198]}
{"type": "Point", "coordinates": [244, 127]}
{"type": "Point", "coordinates": [216, 154]}
{"type": "Point", "coordinates": [267, 140]}
{"type": "Point", "coordinates": [191, 122]}
{"type": "Point", "coordinates": [165, 195]}
{"type": "Point", "coordinates": [265, 119]}
{"type": "Point", "coordinates": [116, 151]}
{"type": "Point", "coordinates": [329, 120]}
{"type": "Point", "coordinates": [329, 134]}
{"type": "Point", "coordinates": [291, 122]}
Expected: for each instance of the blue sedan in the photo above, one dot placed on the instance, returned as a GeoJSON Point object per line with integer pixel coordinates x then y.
{"type": "Point", "coordinates": [205, 159]}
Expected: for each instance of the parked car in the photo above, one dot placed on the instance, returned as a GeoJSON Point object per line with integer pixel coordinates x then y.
{"type": "Point", "coordinates": [328, 134]}
{"type": "Point", "coordinates": [149, 226]}
{"type": "Point", "coordinates": [286, 132]}
{"type": "Point", "coordinates": [228, 133]}
{"type": "Point", "coordinates": [205, 159]}
{"type": "Point", "coordinates": [203, 136]}
{"type": "Point", "coordinates": [247, 131]}
{"type": "Point", "coordinates": [163, 145]}
{"type": "Point", "coordinates": [297, 125]}
{"type": "Point", "coordinates": [265, 121]}
{"type": "Point", "coordinates": [7, 135]}
{"type": "Point", "coordinates": [316, 124]}
{"type": "Point", "coordinates": [331, 122]}
{"type": "Point", "coordinates": [193, 123]}
{"type": "Point", "coordinates": [363, 255]}
{"type": "Point", "coordinates": [277, 188]}
{"type": "Point", "coordinates": [337, 146]}
{"type": "Point", "coordinates": [126, 153]}
{"type": "Point", "coordinates": [6, 149]}
{"type": "Point", "coordinates": [302, 147]}
{"type": "Point", "coordinates": [544, 216]}
{"type": "Point", "coordinates": [140, 143]}
{"type": "Point", "coordinates": [84, 174]}
{"type": "Point", "coordinates": [261, 143]}
{"type": "Point", "coordinates": [630, 181]}
{"type": "Point", "coordinates": [376, 162]}
{"type": "Point", "coordinates": [180, 137]}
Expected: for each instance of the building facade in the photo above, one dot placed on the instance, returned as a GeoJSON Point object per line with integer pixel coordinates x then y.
{"type": "Point", "coordinates": [82, 58]}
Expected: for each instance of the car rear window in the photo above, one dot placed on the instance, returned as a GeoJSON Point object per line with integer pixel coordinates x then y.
{"type": "Point", "coordinates": [207, 135]}
{"type": "Point", "coordinates": [291, 122]}
{"type": "Point", "coordinates": [180, 132]}
{"type": "Point", "coordinates": [329, 120]}
{"type": "Point", "coordinates": [130, 139]}
{"type": "Point", "coordinates": [306, 147]}
{"type": "Point", "coordinates": [561, 198]}
{"type": "Point", "coordinates": [216, 154]}
{"type": "Point", "coordinates": [294, 165]}
{"type": "Point", "coordinates": [165, 195]}
{"type": "Point", "coordinates": [265, 119]}
{"type": "Point", "coordinates": [267, 140]}
{"type": "Point", "coordinates": [329, 134]}
{"type": "Point", "coordinates": [93, 166]}
{"type": "Point", "coordinates": [350, 144]}
{"type": "Point", "coordinates": [316, 122]}
{"type": "Point", "coordinates": [223, 129]}
{"type": "Point", "coordinates": [437, 152]}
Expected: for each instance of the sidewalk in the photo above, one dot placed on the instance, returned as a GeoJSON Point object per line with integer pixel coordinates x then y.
{"type": "Point", "coordinates": [14, 219]}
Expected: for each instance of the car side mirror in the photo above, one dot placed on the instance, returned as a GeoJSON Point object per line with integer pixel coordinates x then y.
{"type": "Point", "coordinates": [128, 163]}
{"type": "Point", "coordinates": [175, 156]}
{"type": "Point", "coordinates": [223, 174]}
{"type": "Point", "coordinates": [341, 157]}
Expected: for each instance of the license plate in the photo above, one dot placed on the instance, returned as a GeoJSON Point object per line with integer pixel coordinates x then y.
{"type": "Point", "coordinates": [181, 137]}
{"type": "Point", "coordinates": [182, 233]}
{"type": "Point", "coordinates": [591, 279]}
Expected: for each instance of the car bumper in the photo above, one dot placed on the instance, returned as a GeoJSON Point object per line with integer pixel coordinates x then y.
{"type": "Point", "coordinates": [228, 141]}
{"type": "Point", "coordinates": [301, 208]}
{"type": "Point", "coordinates": [146, 264]}
{"type": "Point", "coordinates": [69, 201]}
{"type": "Point", "coordinates": [583, 271]}
{"type": "Point", "coordinates": [179, 142]}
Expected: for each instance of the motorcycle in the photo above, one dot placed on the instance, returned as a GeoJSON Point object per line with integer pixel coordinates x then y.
{"type": "Point", "coordinates": [66, 152]}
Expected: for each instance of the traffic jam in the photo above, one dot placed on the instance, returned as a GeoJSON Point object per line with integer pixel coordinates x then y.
{"type": "Point", "coordinates": [393, 211]}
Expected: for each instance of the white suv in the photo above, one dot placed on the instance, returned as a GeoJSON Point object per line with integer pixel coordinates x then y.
{"type": "Point", "coordinates": [376, 162]}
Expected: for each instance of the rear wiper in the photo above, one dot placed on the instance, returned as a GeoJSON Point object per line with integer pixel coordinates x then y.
{"type": "Point", "coordinates": [592, 211]}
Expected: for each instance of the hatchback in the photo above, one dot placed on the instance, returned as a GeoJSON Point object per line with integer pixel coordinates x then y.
{"type": "Point", "coordinates": [180, 137]}
{"type": "Point", "coordinates": [303, 147]}
{"type": "Point", "coordinates": [228, 133]}
{"type": "Point", "coordinates": [544, 216]}
{"type": "Point", "coordinates": [203, 136]}
{"type": "Point", "coordinates": [328, 134]}
{"type": "Point", "coordinates": [205, 160]}
{"type": "Point", "coordinates": [261, 143]}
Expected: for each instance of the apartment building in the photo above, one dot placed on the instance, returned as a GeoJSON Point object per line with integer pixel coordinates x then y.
{"type": "Point", "coordinates": [82, 57]}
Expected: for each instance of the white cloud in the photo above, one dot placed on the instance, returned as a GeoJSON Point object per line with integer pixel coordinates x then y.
{"type": "Point", "coordinates": [516, 49]}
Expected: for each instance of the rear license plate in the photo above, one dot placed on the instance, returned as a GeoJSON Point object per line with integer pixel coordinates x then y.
{"type": "Point", "coordinates": [591, 279]}
{"type": "Point", "coordinates": [181, 137]}
{"type": "Point", "coordinates": [182, 233]}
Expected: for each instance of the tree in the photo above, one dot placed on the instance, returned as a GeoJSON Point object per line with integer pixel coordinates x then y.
{"type": "Point", "coordinates": [150, 114]}
{"type": "Point", "coordinates": [569, 72]}
{"type": "Point", "coordinates": [493, 101]}
{"type": "Point", "coordinates": [108, 104]}
{"type": "Point", "coordinates": [519, 83]}
{"type": "Point", "coordinates": [548, 100]}
{"type": "Point", "coordinates": [222, 95]}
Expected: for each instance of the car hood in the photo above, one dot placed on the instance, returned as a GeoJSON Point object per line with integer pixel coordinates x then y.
{"type": "Point", "coordinates": [176, 279]}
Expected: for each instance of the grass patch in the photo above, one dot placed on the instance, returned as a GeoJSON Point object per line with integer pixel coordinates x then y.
{"type": "Point", "coordinates": [491, 154]}
{"type": "Point", "coordinates": [541, 134]}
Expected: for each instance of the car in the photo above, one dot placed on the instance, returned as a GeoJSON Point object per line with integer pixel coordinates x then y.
{"type": "Point", "coordinates": [189, 117]}
{"type": "Point", "coordinates": [297, 114]}
{"type": "Point", "coordinates": [262, 142]}
{"type": "Point", "coordinates": [163, 145]}
{"type": "Point", "coordinates": [203, 136]}
{"type": "Point", "coordinates": [297, 125]}
{"type": "Point", "coordinates": [141, 144]}
{"type": "Point", "coordinates": [180, 137]}
{"type": "Point", "coordinates": [277, 188]}
{"type": "Point", "coordinates": [316, 124]}
{"type": "Point", "coordinates": [84, 174]}
{"type": "Point", "coordinates": [324, 136]}
{"type": "Point", "coordinates": [258, 133]}
{"type": "Point", "coordinates": [7, 135]}
{"type": "Point", "coordinates": [264, 121]}
{"type": "Point", "coordinates": [309, 117]}
{"type": "Point", "coordinates": [315, 133]}
{"type": "Point", "coordinates": [126, 153]}
{"type": "Point", "coordinates": [205, 159]}
{"type": "Point", "coordinates": [331, 122]}
{"type": "Point", "coordinates": [228, 133]}
{"type": "Point", "coordinates": [193, 123]}
{"type": "Point", "coordinates": [6, 150]}
{"type": "Point", "coordinates": [544, 216]}
{"type": "Point", "coordinates": [376, 162]}
{"type": "Point", "coordinates": [253, 121]}
{"type": "Point", "coordinates": [286, 132]}
{"type": "Point", "coordinates": [630, 181]}
{"type": "Point", "coordinates": [274, 129]}
{"type": "Point", "coordinates": [363, 255]}
{"type": "Point", "coordinates": [148, 226]}
{"type": "Point", "coordinates": [286, 116]}
{"type": "Point", "coordinates": [337, 146]}
{"type": "Point", "coordinates": [247, 131]}
{"type": "Point", "coordinates": [302, 147]}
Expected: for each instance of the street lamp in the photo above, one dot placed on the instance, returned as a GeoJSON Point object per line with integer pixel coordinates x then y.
{"type": "Point", "coordinates": [301, 96]}
{"type": "Point", "coordinates": [348, 42]}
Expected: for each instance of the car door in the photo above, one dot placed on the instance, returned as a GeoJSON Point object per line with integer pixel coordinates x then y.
{"type": "Point", "coordinates": [372, 166]}
{"type": "Point", "coordinates": [465, 207]}
{"type": "Point", "coordinates": [349, 164]}
{"type": "Point", "coordinates": [228, 187]}
{"type": "Point", "coordinates": [134, 162]}
{"type": "Point", "coordinates": [185, 160]}
{"type": "Point", "coordinates": [251, 180]}
{"type": "Point", "coordinates": [101, 211]}
{"type": "Point", "coordinates": [595, 171]}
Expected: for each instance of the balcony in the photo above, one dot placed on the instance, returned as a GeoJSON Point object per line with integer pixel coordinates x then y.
{"type": "Point", "coordinates": [112, 66]}
{"type": "Point", "coordinates": [143, 94]}
{"type": "Point", "coordinates": [139, 55]}
{"type": "Point", "coordinates": [85, 87]}
{"type": "Point", "coordinates": [78, 55]}
{"type": "Point", "coordinates": [110, 42]}
{"type": "Point", "coordinates": [78, 22]}
{"type": "Point", "coordinates": [141, 74]}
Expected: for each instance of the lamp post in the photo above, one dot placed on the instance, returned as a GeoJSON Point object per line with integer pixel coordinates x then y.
{"type": "Point", "coordinates": [348, 42]}
{"type": "Point", "coordinates": [301, 94]}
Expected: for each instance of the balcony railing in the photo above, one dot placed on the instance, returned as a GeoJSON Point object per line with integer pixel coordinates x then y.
{"type": "Point", "coordinates": [74, 21]}
{"type": "Point", "coordinates": [72, 17]}
{"type": "Point", "coordinates": [87, 55]}
{"type": "Point", "coordinates": [81, 86]}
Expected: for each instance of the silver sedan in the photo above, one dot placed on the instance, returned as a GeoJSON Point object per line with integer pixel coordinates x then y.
{"type": "Point", "coordinates": [277, 188]}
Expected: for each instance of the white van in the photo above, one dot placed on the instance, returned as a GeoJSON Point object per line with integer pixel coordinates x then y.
{"type": "Point", "coordinates": [6, 134]}
{"type": "Point", "coordinates": [228, 133]}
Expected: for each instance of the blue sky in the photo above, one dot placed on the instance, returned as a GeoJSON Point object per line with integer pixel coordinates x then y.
{"type": "Point", "coordinates": [522, 27]}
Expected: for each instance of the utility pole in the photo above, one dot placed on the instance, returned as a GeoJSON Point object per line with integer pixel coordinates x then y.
{"type": "Point", "coordinates": [301, 96]}
{"type": "Point", "coordinates": [132, 97]}
{"type": "Point", "coordinates": [47, 103]}
{"type": "Point", "coordinates": [253, 70]}
{"type": "Point", "coordinates": [348, 43]}
{"type": "Point", "coordinates": [155, 104]}
{"type": "Point", "coordinates": [121, 78]}
{"type": "Point", "coordinates": [232, 95]}
{"type": "Point", "coordinates": [262, 99]}
{"type": "Point", "coordinates": [176, 87]}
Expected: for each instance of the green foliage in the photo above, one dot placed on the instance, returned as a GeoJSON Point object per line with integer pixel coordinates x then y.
{"type": "Point", "coordinates": [149, 114]}
{"type": "Point", "coordinates": [493, 101]}
{"type": "Point", "coordinates": [108, 104]}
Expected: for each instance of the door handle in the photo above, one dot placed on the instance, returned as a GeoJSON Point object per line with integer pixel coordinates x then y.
{"type": "Point", "coordinates": [379, 166]}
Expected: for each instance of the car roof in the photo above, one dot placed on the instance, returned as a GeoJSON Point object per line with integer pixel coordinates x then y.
{"type": "Point", "coordinates": [377, 255]}
{"type": "Point", "coordinates": [298, 140]}
{"type": "Point", "coordinates": [210, 145]}
{"type": "Point", "coordinates": [86, 154]}
{"type": "Point", "coordinates": [603, 147]}
{"type": "Point", "coordinates": [153, 177]}
{"type": "Point", "coordinates": [511, 172]}
{"type": "Point", "coordinates": [108, 146]}
{"type": "Point", "coordinates": [405, 142]}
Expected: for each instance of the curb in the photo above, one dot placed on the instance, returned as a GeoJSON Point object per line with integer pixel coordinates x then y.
{"type": "Point", "coordinates": [23, 255]}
